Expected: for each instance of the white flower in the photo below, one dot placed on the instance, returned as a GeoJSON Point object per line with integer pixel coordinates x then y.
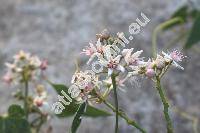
{"type": "Point", "coordinates": [94, 50]}
{"type": "Point", "coordinates": [132, 59]}
{"type": "Point", "coordinates": [24, 63]}
{"type": "Point", "coordinates": [40, 100]}
{"type": "Point", "coordinates": [22, 56]}
{"type": "Point", "coordinates": [119, 82]}
{"type": "Point", "coordinates": [110, 62]}
{"type": "Point", "coordinates": [175, 56]}
{"type": "Point", "coordinates": [35, 62]}
{"type": "Point", "coordinates": [42, 105]}
{"type": "Point", "coordinates": [13, 67]}
{"type": "Point", "coordinates": [85, 80]}
{"type": "Point", "coordinates": [159, 62]}
{"type": "Point", "coordinates": [138, 69]}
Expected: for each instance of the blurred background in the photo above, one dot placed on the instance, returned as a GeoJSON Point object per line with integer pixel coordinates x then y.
{"type": "Point", "coordinates": [58, 30]}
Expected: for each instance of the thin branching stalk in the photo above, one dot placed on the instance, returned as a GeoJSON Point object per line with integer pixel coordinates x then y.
{"type": "Point", "coordinates": [26, 99]}
{"type": "Point", "coordinates": [116, 101]}
{"type": "Point", "coordinates": [121, 114]}
{"type": "Point", "coordinates": [165, 105]}
{"type": "Point", "coordinates": [124, 116]}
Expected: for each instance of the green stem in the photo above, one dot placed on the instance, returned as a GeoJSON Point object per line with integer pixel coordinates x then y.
{"type": "Point", "coordinates": [124, 116]}
{"type": "Point", "coordinates": [40, 124]}
{"type": "Point", "coordinates": [116, 101]}
{"type": "Point", "coordinates": [165, 105]}
{"type": "Point", "coordinates": [26, 100]}
{"type": "Point", "coordinates": [159, 28]}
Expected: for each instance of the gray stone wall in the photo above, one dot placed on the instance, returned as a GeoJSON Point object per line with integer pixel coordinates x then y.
{"type": "Point", "coordinates": [59, 29]}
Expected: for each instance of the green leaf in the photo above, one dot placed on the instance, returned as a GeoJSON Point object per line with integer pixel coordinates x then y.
{"type": "Point", "coordinates": [16, 111]}
{"type": "Point", "coordinates": [14, 125]}
{"type": "Point", "coordinates": [95, 112]}
{"type": "Point", "coordinates": [1, 124]}
{"type": "Point", "coordinates": [71, 109]}
{"type": "Point", "coordinates": [181, 15]}
{"type": "Point", "coordinates": [194, 13]}
{"type": "Point", "coordinates": [181, 12]}
{"type": "Point", "coordinates": [77, 119]}
{"type": "Point", "coordinates": [194, 36]}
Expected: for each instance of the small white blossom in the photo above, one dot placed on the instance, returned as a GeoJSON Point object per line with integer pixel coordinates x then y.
{"type": "Point", "coordinates": [23, 65]}
{"type": "Point", "coordinates": [132, 59]}
{"type": "Point", "coordinates": [110, 62]}
{"type": "Point", "coordinates": [94, 50]}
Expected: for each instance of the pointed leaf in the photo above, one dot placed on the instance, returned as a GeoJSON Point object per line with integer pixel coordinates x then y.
{"type": "Point", "coordinates": [194, 36]}
{"type": "Point", "coordinates": [181, 15]}
{"type": "Point", "coordinates": [95, 112]}
{"type": "Point", "coordinates": [73, 107]}
{"type": "Point", "coordinates": [181, 12]}
{"type": "Point", "coordinates": [77, 119]}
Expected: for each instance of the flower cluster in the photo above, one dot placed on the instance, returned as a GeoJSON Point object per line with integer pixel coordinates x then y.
{"type": "Point", "coordinates": [40, 100]}
{"type": "Point", "coordinates": [83, 84]}
{"type": "Point", "coordinates": [113, 58]}
{"type": "Point", "coordinates": [158, 66]}
{"type": "Point", "coordinates": [25, 67]}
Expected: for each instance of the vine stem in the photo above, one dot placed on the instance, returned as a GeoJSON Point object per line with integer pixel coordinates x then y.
{"type": "Point", "coordinates": [25, 100]}
{"type": "Point", "coordinates": [165, 105]}
{"type": "Point", "coordinates": [161, 27]}
{"type": "Point", "coordinates": [124, 116]}
{"type": "Point", "coordinates": [113, 77]}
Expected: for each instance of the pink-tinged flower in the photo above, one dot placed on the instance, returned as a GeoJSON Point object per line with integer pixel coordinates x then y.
{"type": "Point", "coordinates": [112, 63]}
{"type": "Point", "coordinates": [89, 87]}
{"type": "Point", "coordinates": [42, 105]}
{"type": "Point", "coordinates": [132, 59]}
{"type": "Point", "coordinates": [38, 101]}
{"type": "Point", "coordinates": [94, 50]}
{"type": "Point", "coordinates": [175, 56]}
{"type": "Point", "coordinates": [150, 73]}
{"type": "Point", "coordinates": [90, 50]}
{"type": "Point", "coordinates": [7, 78]}
{"type": "Point", "coordinates": [44, 65]}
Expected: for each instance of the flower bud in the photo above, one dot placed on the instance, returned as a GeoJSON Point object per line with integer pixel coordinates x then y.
{"type": "Point", "coordinates": [150, 73]}
{"type": "Point", "coordinates": [44, 65]}
{"type": "Point", "coordinates": [38, 101]}
{"type": "Point", "coordinates": [104, 35]}
{"type": "Point", "coordinates": [7, 78]}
